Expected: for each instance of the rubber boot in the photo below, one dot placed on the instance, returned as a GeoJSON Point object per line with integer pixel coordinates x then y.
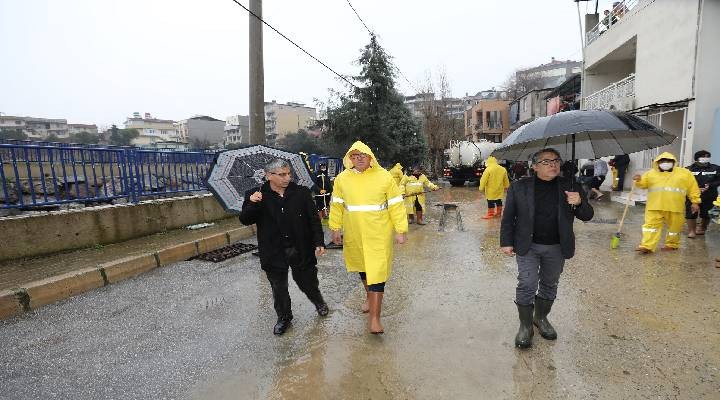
{"type": "Point", "coordinates": [542, 309]}
{"type": "Point", "coordinates": [366, 307]}
{"type": "Point", "coordinates": [490, 214]}
{"type": "Point", "coordinates": [375, 300]}
{"type": "Point", "coordinates": [700, 230]}
{"type": "Point", "coordinates": [419, 218]}
{"type": "Point", "coordinates": [498, 211]}
{"type": "Point", "coordinates": [692, 227]}
{"type": "Point", "coordinates": [523, 339]}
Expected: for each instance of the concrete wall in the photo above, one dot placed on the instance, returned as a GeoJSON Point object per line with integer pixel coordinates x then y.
{"type": "Point", "coordinates": [34, 235]}
{"type": "Point", "coordinates": [212, 131]}
{"type": "Point", "coordinates": [666, 37]}
{"type": "Point", "coordinates": [707, 81]}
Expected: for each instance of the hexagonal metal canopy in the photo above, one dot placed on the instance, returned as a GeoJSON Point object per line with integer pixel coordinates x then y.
{"type": "Point", "coordinates": [236, 171]}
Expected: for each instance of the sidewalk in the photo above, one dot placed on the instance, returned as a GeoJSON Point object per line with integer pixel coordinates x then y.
{"type": "Point", "coordinates": [26, 284]}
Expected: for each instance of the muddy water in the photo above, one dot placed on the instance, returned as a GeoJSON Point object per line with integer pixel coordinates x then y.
{"type": "Point", "coordinates": [629, 326]}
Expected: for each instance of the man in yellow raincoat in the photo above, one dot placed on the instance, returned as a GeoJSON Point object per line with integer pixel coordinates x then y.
{"type": "Point", "coordinates": [413, 188]}
{"type": "Point", "coordinates": [494, 181]}
{"type": "Point", "coordinates": [668, 185]}
{"type": "Point", "coordinates": [368, 206]}
{"type": "Point", "coordinates": [397, 173]}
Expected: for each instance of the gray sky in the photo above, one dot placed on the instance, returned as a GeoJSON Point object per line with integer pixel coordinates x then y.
{"type": "Point", "coordinates": [97, 61]}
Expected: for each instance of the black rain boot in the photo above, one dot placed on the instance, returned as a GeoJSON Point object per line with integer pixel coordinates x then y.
{"type": "Point", "coordinates": [281, 326]}
{"type": "Point", "coordinates": [523, 339]}
{"type": "Point", "coordinates": [542, 309]}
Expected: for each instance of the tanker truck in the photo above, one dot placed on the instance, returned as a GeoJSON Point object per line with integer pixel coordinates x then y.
{"type": "Point", "coordinates": [464, 160]}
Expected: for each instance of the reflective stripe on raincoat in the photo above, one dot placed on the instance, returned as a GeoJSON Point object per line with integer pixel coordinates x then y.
{"type": "Point", "coordinates": [494, 180]}
{"type": "Point", "coordinates": [413, 188]}
{"type": "Point", "coordinates": [397, 173]}
{"type": "Point", "coordinates": [368, 207]}
{"type": "Point", "coordinates": [667, 190]}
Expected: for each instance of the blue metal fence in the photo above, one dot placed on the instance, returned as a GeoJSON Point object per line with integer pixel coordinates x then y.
{"type": "Point", "coordinates": [38, 175]}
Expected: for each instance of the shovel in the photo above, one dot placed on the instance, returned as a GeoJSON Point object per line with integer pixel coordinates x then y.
{"type": "Point", "coordinates": [615, 240]}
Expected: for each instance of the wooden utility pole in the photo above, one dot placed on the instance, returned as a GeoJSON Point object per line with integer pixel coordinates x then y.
{"type": "Point", "coordinates": [257, 75]}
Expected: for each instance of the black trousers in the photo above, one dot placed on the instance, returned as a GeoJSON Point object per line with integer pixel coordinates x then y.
{"type": "Point", "coordinates": [306, 279]}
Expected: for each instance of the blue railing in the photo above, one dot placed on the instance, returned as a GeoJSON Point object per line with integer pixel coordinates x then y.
{"type": "Point", "coordinates": [40, 175]}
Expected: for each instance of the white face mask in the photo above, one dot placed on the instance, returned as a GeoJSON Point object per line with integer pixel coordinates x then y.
{"type": "Point", "coordinates": [704, 160]}
{"type": "Point", "coordinates": [665, 166]}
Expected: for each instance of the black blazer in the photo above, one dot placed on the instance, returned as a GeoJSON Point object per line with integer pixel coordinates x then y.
{"type": "Point", "coordinates": [298, 218]}
{"type": "Point", "coordinates": [516, 228]}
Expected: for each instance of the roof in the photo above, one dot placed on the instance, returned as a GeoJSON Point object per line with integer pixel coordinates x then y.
{"type": "Point", "coordinates": [205, 118]}
{"type": "Point", "coordinates": [571, 85]}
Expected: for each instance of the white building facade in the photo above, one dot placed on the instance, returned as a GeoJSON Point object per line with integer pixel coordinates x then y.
{"type": "Point", "coordinates": [659, 59]}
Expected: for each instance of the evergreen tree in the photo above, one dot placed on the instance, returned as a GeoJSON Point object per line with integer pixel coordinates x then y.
{"type": "Point", "coordinates": [374, 112]}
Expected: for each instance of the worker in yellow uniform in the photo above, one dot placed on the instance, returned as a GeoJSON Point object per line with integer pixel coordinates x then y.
{"type": "Point", "coordinates": [368, 207]}
{"type": "Point", "coordinates": [494, 182]}
{"type": "Point", "coordinates": [414, 192]}
{"type": "Point", "coordinates": [397, 173]}
{"type": "Point", "coordinates": [668, 185]}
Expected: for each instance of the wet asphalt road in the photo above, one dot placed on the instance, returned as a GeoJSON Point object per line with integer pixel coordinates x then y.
{"type": "Point", "coordinates": [630, 327]}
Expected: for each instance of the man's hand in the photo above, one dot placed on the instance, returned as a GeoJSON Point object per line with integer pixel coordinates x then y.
{"type": "Point", "coordinates": [704, 188]}
{"type": "Point", "coordinates": [637, 177]}
{"type": "Point", "coordinates": [319, 251]}
{"type": "Point", "coordinates": [256, 197]}
{"type": "Point", "coordinates": [508, 251]}
{"type": "Point", "coordinates": [573, 198]}
{"type": "Point", "coordinates": [400, 238]}
{"type": "Point", "coordinates": [322, 191]}
{"type": "Point", "coordinates": [695, 208]}
{"type": "Point", "coordinates": [336, 237]}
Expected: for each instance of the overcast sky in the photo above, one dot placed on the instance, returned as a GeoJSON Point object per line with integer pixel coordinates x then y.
{"type": "Point", "coordinates": [98, 61]}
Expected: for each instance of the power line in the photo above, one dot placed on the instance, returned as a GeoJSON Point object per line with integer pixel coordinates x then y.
{"type": "Point", "coordinates": [295, 44]}
{"type": "Point", "coordinates": [373, 34]}
{"type": "Point", "coordinates": [361, 20]}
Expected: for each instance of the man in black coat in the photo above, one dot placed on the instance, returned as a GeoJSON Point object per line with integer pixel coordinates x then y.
{"type": "Point", "coordinates": [707, 176]}
{"type": "Point", "coordinates": [289, 236]}
{"type": "Point", "coordinates": [537, 227]}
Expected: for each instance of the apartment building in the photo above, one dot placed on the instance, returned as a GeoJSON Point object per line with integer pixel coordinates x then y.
{"type": "Point", "coordinates": [283, 119]}
{"type": "Point", "coordinates": [489, 120]}
{"type": "Point", "coordinates": [237, 130]}
{"type": "Point", "coordinates": [659, 59]}
{"type": "Point", "coordinates": [201, 128]}
{"type": "Point", "coordinates": [152, 130]}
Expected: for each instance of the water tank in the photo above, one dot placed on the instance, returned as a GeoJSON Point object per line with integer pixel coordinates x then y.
{"type": "Point", "coordinates": [465, 153]}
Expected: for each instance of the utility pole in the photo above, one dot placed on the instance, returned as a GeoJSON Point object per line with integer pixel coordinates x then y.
{"type": "Point", "coordinates": [257, 75]}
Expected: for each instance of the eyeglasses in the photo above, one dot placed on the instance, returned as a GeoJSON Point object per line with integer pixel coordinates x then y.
{"type": "Point", "coordinates": [547, 162]}
{"type": "Point", "coordinates": [282, 174]}
{"type": "Point", "coordinates": [359, 155]}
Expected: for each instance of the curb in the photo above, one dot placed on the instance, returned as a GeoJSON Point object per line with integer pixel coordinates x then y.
{"type": "Point", "coordinates": [36, 294]}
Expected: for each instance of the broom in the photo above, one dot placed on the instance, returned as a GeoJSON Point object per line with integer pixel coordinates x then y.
{"type": "Point", "coordinates": [615, 240]}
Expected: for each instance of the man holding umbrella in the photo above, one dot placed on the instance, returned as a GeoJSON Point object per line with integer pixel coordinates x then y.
{"type": "Point", "coordinates": [537, 228]}
{"type": "Point", "coordinates": [289, 236]}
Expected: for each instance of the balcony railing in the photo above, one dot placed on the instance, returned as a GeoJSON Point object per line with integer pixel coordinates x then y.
{"type": "Point", "coordinates": [607, 98]}
{"type": "Point", "coordinates": [608, 21]}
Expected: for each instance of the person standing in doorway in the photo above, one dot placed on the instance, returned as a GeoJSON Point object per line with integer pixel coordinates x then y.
{"type": "Point", "coordinates": [365, 213]}
{"type": "Point", "coordinates": [537, 228]}
{"type": "Point", "coordinates": [290, 236]}
{"type": "Point", "coordinates": [621, 161]}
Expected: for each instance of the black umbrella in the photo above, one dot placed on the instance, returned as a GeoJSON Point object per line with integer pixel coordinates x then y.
{"type": "Point", "coordinates": [236, 171]}
{"type": "Point", "coordinates": [584, 134]}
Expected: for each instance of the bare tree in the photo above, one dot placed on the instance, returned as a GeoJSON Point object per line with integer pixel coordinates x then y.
{"type": "Point", "coordinates": [439, 123]}
{"type": "Point", "coordinates": [520, 82]}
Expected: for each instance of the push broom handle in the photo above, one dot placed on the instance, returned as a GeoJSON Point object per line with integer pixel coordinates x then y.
{"type": "Point", "coordinates": [627, 204]}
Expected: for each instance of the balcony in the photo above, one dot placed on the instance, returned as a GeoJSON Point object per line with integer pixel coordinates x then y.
{"type": "Point", "coordinates": [607, 22]}
{"type": "Point", "coordinates": [617, 96]}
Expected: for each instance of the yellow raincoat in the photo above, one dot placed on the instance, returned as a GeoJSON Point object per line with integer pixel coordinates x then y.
{"type": "Point", "coordinates": [397, 173]}
{"type": "Point", "coordinates": [667, 192]}
{"type": "Point", "coordinates": [368, 207]}
{"type": "Point", "coordinates": [413, 188]}
{"type": "Point", "coordinates": [494, 180]}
